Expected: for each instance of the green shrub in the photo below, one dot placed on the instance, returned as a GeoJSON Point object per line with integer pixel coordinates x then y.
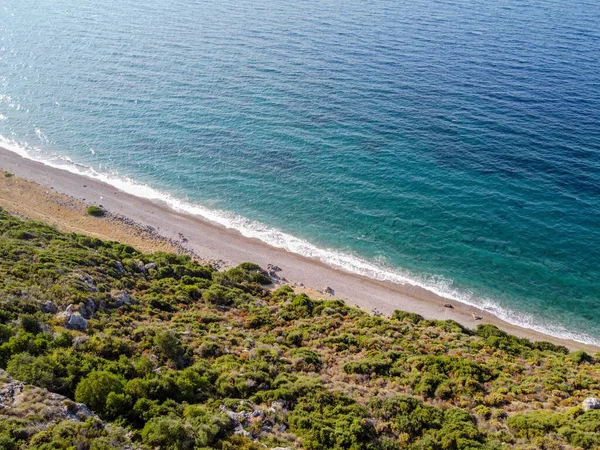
{"type": "Point", "coordinates": [580, 357]}
{"type": "Point", "coordinates": [536, 423]}
{"type": "Point", "coordinates": [94, 390]}
{"type": "Point", "coordinates": [377, 365]}
{"type": "Point", "coordinates": [36, 370]}
{"type": "Point", "coordinates": [169, 346]}
{"type": "Point", "coordinates": [217, 295]}
{"type": "Point", "coordinates": [307, 360]}
{"type": "Point", "coordinates": [294, 338]}
{"type": "Point", "coordinates": [169, 433]}
{"type": "Point", "coordinates": [404, 316]}
{"type": "Point", "coordinates": [95, 211]}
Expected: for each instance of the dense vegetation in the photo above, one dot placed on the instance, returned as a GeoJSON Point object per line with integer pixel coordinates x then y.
{"type": "Point", "coordinates": [173, 354]}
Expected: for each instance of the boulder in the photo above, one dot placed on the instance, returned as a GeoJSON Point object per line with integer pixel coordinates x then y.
{"type": "Point", "coordinates": [88, 309]}
{"type": "Point", "coordinates": [150, 266]}
{"type": "Point", "coordinates": [121, 298]}
{"type": "Point", "coordinates": [328, 290]}
{"type": "Point", "coordinates": [75, 322]}
{"type": "Point", "coordinates": [120, 267]}
{"type": "Point", "coordinates": [590, 403]}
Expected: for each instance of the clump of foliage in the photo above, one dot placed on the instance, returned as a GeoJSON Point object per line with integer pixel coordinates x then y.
{"type": "Point", "coordinates": [95, 211]}
{"type": "Point", "coordinates": [178, 355]}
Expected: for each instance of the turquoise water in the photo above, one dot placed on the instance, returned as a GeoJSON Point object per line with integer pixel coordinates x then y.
{"type": "Point", "coordinates": [452, 143]}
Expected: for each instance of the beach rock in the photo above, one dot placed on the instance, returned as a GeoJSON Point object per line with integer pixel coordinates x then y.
{"type": "Point", "coordinates": [150, 266]}
{"type": "Point", "coordinates": [477, 317]}
{"type": "Point", "coordinates": [448, 305]}
{"type": "Point", "coordinates": [590, 403]}
{"type": "Point", "coordinates": [328, 290]}
{"type": "Point", "coordinates": [75, 322]}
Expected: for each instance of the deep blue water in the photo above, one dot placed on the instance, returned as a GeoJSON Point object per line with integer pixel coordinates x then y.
{"type": "Point", "coordinates": [456, 143]}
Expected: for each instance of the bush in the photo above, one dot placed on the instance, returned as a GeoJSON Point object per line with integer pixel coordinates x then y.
{"type": "Point", "coordinates": [537, 423]}
{"type": "Point", "coordinates": [376, 365]}
{"type": "Point", "coordinates": [169, 346]}
{"type": "Point", "coordinates": [216, 295]}
{"type": "Point", "coordinates": [580, 356]}
{"type": "Point", "coordinates": [168, 433]}
{"type": "Point", "coordinates": [36, 370]}
{"type": "Point", "coordinates": [408, 415]}
{"type": "Point", "coordinates": [307, 360]}
{"type": "Point", "coordinates": [94, 390]}
{"type": "Point", "coordinates": [95, 211]}
{"type": "Point", "coordinates": [404, 316]}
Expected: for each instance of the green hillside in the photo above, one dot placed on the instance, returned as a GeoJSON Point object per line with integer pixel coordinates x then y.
{"type": "Point", "coordinates": [171, 354]}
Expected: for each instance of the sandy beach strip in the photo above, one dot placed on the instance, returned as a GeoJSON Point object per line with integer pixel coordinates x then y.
{"type": "Point", "coordinates": [59, 197]}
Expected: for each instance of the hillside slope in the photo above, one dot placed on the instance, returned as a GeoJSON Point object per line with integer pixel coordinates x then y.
{"type": "Point", "coordinates": [172, 354]}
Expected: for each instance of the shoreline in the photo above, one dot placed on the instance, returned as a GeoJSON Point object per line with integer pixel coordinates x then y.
{"type": "Point", "coordinates": [177, 231]}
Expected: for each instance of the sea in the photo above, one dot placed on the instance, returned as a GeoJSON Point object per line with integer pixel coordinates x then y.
{"type": "Point", "coordinates": [451, 144]}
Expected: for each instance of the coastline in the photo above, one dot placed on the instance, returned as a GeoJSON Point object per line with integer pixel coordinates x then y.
{"type": "Point", "coordinates": [214, 242]}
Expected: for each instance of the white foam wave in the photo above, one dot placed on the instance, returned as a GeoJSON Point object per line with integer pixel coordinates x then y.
{"type": "Point", "coordinates": [276, 238]}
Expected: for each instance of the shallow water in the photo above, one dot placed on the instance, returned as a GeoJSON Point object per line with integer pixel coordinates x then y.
{"type": "Point", "coordinates": [455, 144]}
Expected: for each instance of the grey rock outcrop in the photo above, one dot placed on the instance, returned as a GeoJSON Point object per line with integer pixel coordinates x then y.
{"type": "Point", "coordinates": [121, 298]}
{"type": "Point", "coordinates": [73, 320]}
{"type": "Point", "coordinates": [16, 396]}
{"type": "Point", "coordinates": [36, 409]}
{"type": "Point", "coordinates": [76, 322]}
{"type": "Point", "coordinates": [120, 267]}
{"type": "Point", "coordinates": [590, 403]}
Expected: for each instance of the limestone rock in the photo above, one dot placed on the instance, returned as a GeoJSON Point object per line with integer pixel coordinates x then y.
{"type": "Point", "coordinates": [120, 267]}
{"type": "Point", "coordinates": [75, 321]}
{"type": "Point", "coordinates": [590, 403]}
{"type": "Point", "coordinates": [121, 298]}
{"type": "Point", "coordinates": [15, 396]}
